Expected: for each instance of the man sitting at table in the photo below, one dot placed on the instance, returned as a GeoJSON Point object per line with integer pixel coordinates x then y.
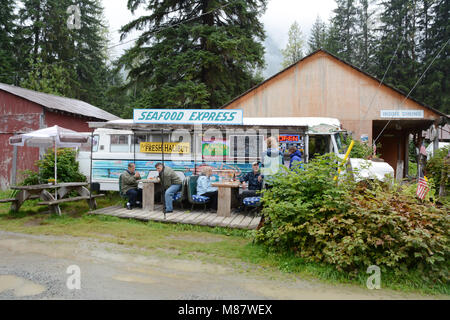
{"type": "Point", "coordinates": [130, 186]}
{"type": "Point", "coordinates": [255, 182]}
{"type": "Point", "coordinates": [205, 188]}
{"type": "Point", "coordinates": [170, 182]}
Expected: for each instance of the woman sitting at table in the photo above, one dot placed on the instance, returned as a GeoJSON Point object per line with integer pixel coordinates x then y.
{"type": "Point", "coordinates": [204, 188]}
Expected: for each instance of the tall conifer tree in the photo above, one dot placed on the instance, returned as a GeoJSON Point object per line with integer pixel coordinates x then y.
{"type": "Point", "coordinates": [317, 39]}
{"type": "Point", "coordinates": [343, 30]}
{"type": "Point", "coordinates": [397, 29]}
{"type": "Point", "coordinates": [196, 53]}
{"type": "Point", "coordinates": [8, 30]}
{"type": "Point", "coordinates": [435, 28]}
{"type": "Point", "coordinates": [294, 48]}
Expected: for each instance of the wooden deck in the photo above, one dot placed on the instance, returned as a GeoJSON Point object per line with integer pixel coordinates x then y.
{"type": "Point", "coordinates": [239, 221]}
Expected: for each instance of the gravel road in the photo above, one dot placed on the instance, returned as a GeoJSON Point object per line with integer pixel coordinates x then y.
{"type": "Point", "coordinates": [35, 267]}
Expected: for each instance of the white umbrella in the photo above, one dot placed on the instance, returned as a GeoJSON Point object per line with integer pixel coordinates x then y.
{"type": "Point", "coordinates": [48, 137]}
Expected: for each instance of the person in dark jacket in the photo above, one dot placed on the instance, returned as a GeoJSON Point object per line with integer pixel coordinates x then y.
{"type": "Point", "coordinates": [170, 182]}
{"type": "Point", "coordinates": [130, 186]}
{"type": "Point", "coordinates": [296, 158]}
{"type": "Point", "coordinates": [255, 183]}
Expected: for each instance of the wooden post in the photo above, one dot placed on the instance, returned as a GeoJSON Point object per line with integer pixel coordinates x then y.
{"type": "Point", "coordinates": [148, 196]}
{"type": "Point", "coordinates": [14, 167]}
{"type": "Point", "coordinates": [224, 202]}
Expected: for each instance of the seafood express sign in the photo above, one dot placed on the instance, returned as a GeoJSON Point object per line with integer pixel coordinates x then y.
{"type": "Point", "coordinates": [182, 116]}
{"type": "Point", "coordinates": [188, 116]}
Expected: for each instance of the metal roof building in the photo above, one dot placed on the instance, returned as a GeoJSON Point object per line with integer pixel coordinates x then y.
{"type": "Point", "coordinates": [23, 110]}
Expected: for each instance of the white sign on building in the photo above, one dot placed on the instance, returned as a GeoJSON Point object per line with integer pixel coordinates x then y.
{"type": "Point", "coordinates": [412, 114]}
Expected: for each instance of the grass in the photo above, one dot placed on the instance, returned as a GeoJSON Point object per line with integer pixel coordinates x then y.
{"type": "Point", "coordinates": [223, 246]}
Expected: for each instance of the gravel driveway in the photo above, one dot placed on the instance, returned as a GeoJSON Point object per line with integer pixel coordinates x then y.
{"type": "Point", "coordinates": [35, 267]}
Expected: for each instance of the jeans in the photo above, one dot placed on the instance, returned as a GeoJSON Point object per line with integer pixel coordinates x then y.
{"type": "Point", "coordinates": [134, 195]}
{"type": "Point", "coordinates": [170, 192]}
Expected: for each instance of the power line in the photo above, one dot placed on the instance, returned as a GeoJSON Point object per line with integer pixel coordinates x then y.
{"type": "Point", "coordinates": [398, 106]}
{"type": "Point", "coordinates": [173, 25]}
{"type": "Point", "coordinates": [382, 80]}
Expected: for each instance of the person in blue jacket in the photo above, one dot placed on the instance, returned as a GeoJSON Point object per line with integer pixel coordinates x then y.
{"type": "Point", "coordinates": [205, 188]}
{"type": "Point", "coordinates": [296, 158]}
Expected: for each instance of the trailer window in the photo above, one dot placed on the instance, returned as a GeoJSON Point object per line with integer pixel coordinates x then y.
{"type": "Point", "coordinates": [119, 143]}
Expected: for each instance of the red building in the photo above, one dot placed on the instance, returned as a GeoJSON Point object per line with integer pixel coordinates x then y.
{"type": "Point", "coordinates": [23, 110]}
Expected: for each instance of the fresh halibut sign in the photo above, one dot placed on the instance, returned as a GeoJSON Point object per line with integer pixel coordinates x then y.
{"type": "Point", "coordinates": [188, 116]}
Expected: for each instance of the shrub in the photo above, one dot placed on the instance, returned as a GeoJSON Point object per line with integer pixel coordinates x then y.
{"type": "Point", "coordinates": [352, 226]}
{"type": "Point", "coordinates": [29, 177]}
{"type": "Point", "coordinates": [67, 171]}
{"type": "Point", "coordinates": [67, 166]}
{"type": "Point", "coordinates": [360, 149]}
{"type": "Point", "coordinates": [436, 166]}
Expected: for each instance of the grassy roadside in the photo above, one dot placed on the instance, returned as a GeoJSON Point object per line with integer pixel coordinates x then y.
{"type": "Point", "coordinates": [214, 245]}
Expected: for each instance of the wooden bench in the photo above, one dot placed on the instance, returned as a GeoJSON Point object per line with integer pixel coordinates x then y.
{"type": "Point", "coordinates": [53, 202]}
{"type": "Point", "coordinates": [36, 196]}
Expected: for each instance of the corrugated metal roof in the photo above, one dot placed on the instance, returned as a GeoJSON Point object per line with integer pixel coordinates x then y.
{"type": "Point", "coordinates": [59, 103]}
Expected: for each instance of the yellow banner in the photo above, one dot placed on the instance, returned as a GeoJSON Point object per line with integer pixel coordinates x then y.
{"type": "Point", "coordinates": [169, 147]}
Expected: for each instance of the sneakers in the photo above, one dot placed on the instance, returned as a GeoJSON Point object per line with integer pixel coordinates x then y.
{"type": "Point", "coordinates": [129, 206]}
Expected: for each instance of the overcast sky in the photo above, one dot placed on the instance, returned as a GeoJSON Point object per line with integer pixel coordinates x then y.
{"type": "Point", "coordinates": [277, 19]}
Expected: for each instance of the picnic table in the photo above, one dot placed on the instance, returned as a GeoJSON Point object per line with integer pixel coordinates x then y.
{"type": "Point", "coordinates": [41, 191]}
{"type": "Point", "coordinates": [226, 195]}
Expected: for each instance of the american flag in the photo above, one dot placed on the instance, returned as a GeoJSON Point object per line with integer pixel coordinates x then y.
{"type": "Point", "coordinates": [422, 188]}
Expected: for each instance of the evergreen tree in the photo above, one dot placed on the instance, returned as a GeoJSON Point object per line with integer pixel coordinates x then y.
{"type": "Point", "coordinates": [197, 53]}
{"type": "Point", "coordinates": [8, 30]}
{"type": "Point", "coordinates": [435, 30]}
{"type": "Point", "coordinates": [52, 50]}
{"type": "Point", "coordinates": [397, 30]}
{"type": "Point", "coordinates": [90, 55]}
{"type": "Point", "coordinates": [331, 40]}
{"type": "Point", "coordinates": [317, 39]}
{"type": "Point", "coordinates": [294, 48]}
{"type": "Point", "coordinates": [365, 35]}
{"type": "Point", "coordinates": [343, 30]}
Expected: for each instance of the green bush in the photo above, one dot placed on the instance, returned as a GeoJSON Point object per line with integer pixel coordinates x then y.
{"type": "Point", "coordinates": [352, 226]}
{"type": "Point", "coordinates": [29, 177]}
{"type": "Point", "coordinates": [67, 166]}
{"type": "Point", "coordinates": [67, 171]}
{"type": "Point", "coordinates": [436, 166]}
{"type": "Point", "coordinates": [360, 149]}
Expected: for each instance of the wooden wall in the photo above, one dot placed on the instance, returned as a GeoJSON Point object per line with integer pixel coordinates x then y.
{"type": "Point", "coordinates": [323, 86]}
{"type": "Point", "coordinates": [18, 115]}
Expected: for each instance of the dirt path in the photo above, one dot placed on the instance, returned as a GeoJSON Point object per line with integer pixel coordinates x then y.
{"type": "Point", "coordinates": [34, 267]}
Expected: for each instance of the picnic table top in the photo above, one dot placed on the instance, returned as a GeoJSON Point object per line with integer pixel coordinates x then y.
{"type": "Point", "coordinates": [226, 184]}
{"type": "Point", "coordinates": [150, 180]}
{"type": "Point", "coordinates": [49, 186]}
